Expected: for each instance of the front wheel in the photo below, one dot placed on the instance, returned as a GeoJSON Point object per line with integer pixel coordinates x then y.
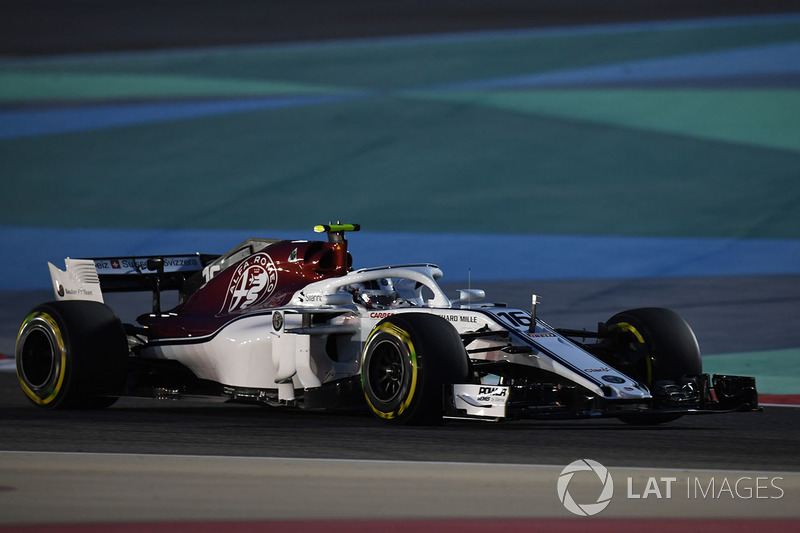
{"type": "Point", "coordinates": [653, 345]}
{"type": "Point", "coordinates": [71, 355]}
{"type": "Point", "coordinates": [406, 361]}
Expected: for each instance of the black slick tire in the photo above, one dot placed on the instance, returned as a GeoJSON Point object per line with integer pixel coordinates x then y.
{"type": "Point", "coordinates": [407, 360]}
{"type": "Point", "coordinates": [71, 355]}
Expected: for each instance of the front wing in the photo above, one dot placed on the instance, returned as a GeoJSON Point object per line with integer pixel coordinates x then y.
{"type": "Point", "coordinates": [704, 394]}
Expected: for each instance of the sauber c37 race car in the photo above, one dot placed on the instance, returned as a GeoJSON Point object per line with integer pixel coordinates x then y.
{"type": "Point", "coordinates": [290, 323]}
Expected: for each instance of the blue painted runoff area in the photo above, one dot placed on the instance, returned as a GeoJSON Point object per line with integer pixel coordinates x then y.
{"type": "Point", "coordinates": [759, 61]}
{"type": "Point", "coordinates": [32, 122]}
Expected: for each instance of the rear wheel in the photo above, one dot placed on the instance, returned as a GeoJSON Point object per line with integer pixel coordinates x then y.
{"type": "Point", "coordinates": [653, 345]}
{"type": "Point", "coordinates": [71, 355]}
{"type": "Point", "coordinates": [406, 361]}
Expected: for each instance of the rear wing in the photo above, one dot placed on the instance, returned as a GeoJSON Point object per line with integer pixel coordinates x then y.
{"type": "Point", "coordinates": [88, 279]}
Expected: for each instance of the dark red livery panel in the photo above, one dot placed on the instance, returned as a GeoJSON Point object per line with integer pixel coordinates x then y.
{"type": "Point", "coordinates": [263, 280]}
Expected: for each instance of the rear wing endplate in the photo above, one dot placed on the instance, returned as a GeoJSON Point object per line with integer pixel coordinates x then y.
{"type": "Point", "coordinates": [78, 282]}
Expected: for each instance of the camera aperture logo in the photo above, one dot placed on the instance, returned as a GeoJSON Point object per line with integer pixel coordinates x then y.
{"type": "Point", "coordinates": [605, 487]}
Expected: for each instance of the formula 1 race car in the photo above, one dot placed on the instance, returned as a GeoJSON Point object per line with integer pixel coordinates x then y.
{"type": "Point", "coordinates": [289, 323]}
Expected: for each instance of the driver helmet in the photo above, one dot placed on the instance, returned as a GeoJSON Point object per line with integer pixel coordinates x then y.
{"type": "Point", "coordinates": [377, 294]}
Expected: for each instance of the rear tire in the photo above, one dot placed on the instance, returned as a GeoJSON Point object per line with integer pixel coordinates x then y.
{"type": "Point", "coordinates": [71, 355]}
{"type": "Point", "coordinates": [406, 361]}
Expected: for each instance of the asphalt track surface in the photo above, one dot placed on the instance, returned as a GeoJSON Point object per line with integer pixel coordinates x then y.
{"type": "Point", "coordinates": [758, 443]}
{"type": "Point", "coordinates": [766, 441]}
{"type": "Point", "coordinates": [164, 462]}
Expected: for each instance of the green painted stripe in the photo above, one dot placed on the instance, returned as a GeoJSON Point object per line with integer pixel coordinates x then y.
{"type": "Point", "coordinates": [776, 371]}
{"type": "Point", "coordinates": [758, 117]}
{"type": "Point", "coordinates": [33, 86]}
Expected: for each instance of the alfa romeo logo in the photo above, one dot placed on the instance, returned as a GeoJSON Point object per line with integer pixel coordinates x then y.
{"type": "Point", "coordinates": [605, 481]}
{"type": "Point", "coordinates": [252, 282]}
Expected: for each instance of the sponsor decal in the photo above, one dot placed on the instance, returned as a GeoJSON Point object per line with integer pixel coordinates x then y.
{"type": "Point", "coordinates": [481, 400]}
{"type": "Point", "coordinates": [293, 256]}
{"type": "Point", "coordinates": [181, 262]}
{"type": "Point", "coordinates": [77, 292]}
{"type": "Point", "coordinates": [60, 290]}
{"type": "Point", "coordinates": [468, 319]}
{"type": "Point", "coordinates": [603, 369]}
{"type": "Point", "coordinates": [380, 315]}
{"type": "Point", "coordinates": [311, 297]}
{"type": "Point", "coordinates": [541, 334]}
{"type": "Point", "coordinates": [253, 281]}
{"type": "Point", "coordinates": [277, 320]}
{"type": "Point", "coordinates": [493, 395]}
{"type": "Point", "coordinates": [612, 379]}
{"type": "Point", "coordinates": [128, 265]}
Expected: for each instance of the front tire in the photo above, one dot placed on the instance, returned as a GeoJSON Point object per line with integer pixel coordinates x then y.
{"type": "Point", "coordinates": [71, 355]}
{"type": "Point", "coordinates": [653, 345]}
{"type": "Point", "coordinates": [406, 361]}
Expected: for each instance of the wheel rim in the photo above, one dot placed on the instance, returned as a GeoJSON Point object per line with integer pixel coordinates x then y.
{"type": "Point", "coordinates": [636, 351]}
{"type": "Point", "coordinates": [386, 371]}
{"type": "Point", "coordinates": [40, 358]}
